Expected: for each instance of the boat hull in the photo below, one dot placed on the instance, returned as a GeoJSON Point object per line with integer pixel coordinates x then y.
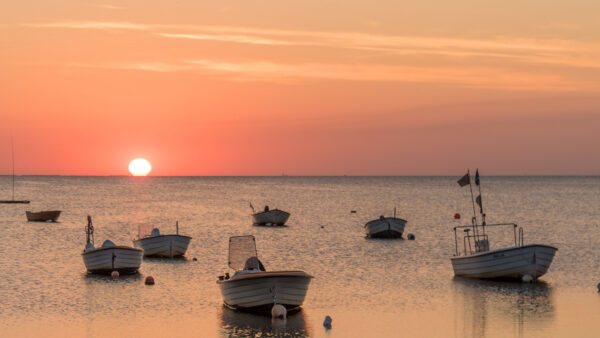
{"type": "Point", "coordinates": [274, 217]}
{"type": "Point", "coordinates": [513, 262]}
{"type": "Point", "coordinates": [42, 216]}
{"type": "Point", "coordinates": [163, 245]}
{"type": "Point", "coordinates": [14, 202]}
{"type": "Point", "coordinates": [388, 227]}
{"type": "Point", "coordinates": [255, 292]}
{"type": "Point", "coordinates": [105, 260]}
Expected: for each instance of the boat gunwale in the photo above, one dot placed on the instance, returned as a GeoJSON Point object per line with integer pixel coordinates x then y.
{"type": "Point", "coordinates": [266, 274]}
{"type": "Point", "coordinates": [271, 210]}
{"type": "Point", "coordinates": [166, 235]}
{"type": "Point", "coordinates": [122, 247]}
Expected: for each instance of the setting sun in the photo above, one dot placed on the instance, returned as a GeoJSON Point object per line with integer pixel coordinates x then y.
{"type": "Point", "coordinates": [139, 167]}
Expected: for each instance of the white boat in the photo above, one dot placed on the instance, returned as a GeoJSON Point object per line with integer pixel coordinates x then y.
{"type": "Point", "coordinates": [252, 288]}
{"type": "Point", "coordinates": [385, 227]}
{"type": "Point", "coordinates": [109, 257]}
{"type": "Point", "coordinates": [511, 262]}
{"type": "Point", "coordinates": [270, 217]}
{"type": "Point", "coordinates": [476, 260]}
{"type": "Point", "coordinates": [157, 245]}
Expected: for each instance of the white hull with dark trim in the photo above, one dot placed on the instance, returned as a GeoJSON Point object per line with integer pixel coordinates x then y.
{"type": "Point", "coordinates": [104, 260]}
{"type": "Point", "coordinates": [163, 245]}
{"type": "Point", "coordinates": [275, 217]}
{"type": "Point", "coordinates": [513, 262]}
{"type": "Point", "coordinates": [257, 291]}
{"type": "Point", "coordinates": [387, 227]}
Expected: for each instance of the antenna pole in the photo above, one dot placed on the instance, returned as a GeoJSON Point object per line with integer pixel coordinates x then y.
{"type": "Point", "coordinates": [12, 146]}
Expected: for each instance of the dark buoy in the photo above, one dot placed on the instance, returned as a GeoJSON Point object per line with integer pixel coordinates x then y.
{"type": "Point", "coordinates": [327, 322]}
{"type": "Point", "coordinates": [457, 216]}
{"type": "Point", "coordinates": [411, 237]}
{"type": "Point", "coordinates": [353, 211]}
{"type": "Point", "coordinates": [149, 280]}
{"type": "Point", "coordinates": [195, 259]}
{"type": "Point", "coordinates": [322, 226]}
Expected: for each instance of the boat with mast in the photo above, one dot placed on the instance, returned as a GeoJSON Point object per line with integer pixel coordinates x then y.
{"type": "Point", "coordinates": [520, 261]}
{"type": "Point", "coordinates": [13, 200]}
{"type": "Point", "coordinates": [109, 257]}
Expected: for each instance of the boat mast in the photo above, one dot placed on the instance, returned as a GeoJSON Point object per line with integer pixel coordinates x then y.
{"type": "Point", "coordinates": [474, 220]}
{"type": "Point", "coordinates": [12, 146]}
{"type": "Point", "coordinates": [89, 230]}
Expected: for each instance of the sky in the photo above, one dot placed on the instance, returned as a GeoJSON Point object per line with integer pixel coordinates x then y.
{"type": "Point", "coordinates": [354, 87]}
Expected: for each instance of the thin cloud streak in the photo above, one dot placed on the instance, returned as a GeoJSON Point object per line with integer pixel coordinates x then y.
{"type": "Point", "coordinates": [228, 38]}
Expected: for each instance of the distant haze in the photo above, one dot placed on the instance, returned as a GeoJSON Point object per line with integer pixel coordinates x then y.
{"type": "Point", "coordinates": [300, 88]}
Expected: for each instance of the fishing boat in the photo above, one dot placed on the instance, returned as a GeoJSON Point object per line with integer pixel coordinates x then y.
{"type": "Point", "coordinates": [13, 200]}
{"type": "Point", "coordinates": [269, 217]}
{"type": "Point", "coordinates": [43, 216]}
{"type": "Point", "coordinates": [252, 288]}
{"type": "Point", "coordinates": [475, 259]}
{"type": "Point", "coordinates": [109, 257]}
{"type": "Point", "coordinates": [385, 227]}
{"type": "Point", "coordinates": [155, 244]}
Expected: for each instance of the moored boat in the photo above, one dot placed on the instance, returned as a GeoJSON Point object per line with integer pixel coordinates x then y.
{"type": "Point", "coordinates": [252, 288]}
{"type": "Point", "coordinates": [476, 260]}
{"type": "Point", "coordinates": [385, 227]}
{"type": "Point", "coordinates": [269, 217]}
{"type": "Point", "coordinates": [109, 257]}
{"type": "Point", "coordinates": [43, 216]}
{"type": "Point", "coordinates": [155, 244]}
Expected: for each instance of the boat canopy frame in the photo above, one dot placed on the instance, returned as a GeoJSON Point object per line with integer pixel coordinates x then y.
{"type": "Point", "coordinates": [479, 242]}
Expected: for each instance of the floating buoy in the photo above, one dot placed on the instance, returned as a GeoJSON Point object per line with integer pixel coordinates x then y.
{"type": "Point", "coordinates": [457, 216]}
{"type": "Point", "coordinates": [327, 322]}
{"type": "Point", "coordinates": [278, 311]}
{"type": "Point", "coordinates": [353, 211]}
{"type": "Point", "coordinates": [322, 226]}
{"type": "Point", "coordinates": [527, 278]}
{"type": "Point", "coordinates": [114, 274]}
{"type": "Point", "coordinates": [410, 237]}
{"type": "Point", "coordinates": [149, 280]}
{"type": "Point", "coordinates": [195, 259]}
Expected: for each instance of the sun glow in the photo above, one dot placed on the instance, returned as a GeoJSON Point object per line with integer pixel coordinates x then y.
{"type": "Point", "coordinates": [139, 167]}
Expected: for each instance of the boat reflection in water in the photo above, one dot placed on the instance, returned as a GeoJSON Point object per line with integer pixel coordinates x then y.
{"type": "Point", "coordinates": [245, 324]}
{"type": "Point", "coordinates": [492, 307]}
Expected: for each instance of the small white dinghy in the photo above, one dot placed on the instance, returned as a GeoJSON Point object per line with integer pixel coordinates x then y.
{"type": "Point", "coordinates": [476, 260]}
{"type": "Point", "coordinates": [385, 227]}
{"type": "Point", "coordinates": [109, 257]}
{"type": "Point", "coordinates": [252, 288]}
{"type": "Point", "coordinates": [269, 217]}
{"type": "Point", "coordinates": [154, 244]}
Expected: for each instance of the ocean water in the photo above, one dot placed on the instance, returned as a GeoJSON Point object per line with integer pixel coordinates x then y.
{"type": "Point", "coordinates": [370, 288]}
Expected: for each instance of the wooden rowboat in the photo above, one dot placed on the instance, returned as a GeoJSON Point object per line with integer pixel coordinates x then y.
{"type": "Point", "coordinates": [43, 216]}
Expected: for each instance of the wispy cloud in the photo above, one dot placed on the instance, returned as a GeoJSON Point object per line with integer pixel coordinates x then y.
{"type": "Point", "coordinates": [108, 6]}
{"type": "Point", "coordinates": [227, 38]}
{"type": "Point", "coordinates": [92, 25]}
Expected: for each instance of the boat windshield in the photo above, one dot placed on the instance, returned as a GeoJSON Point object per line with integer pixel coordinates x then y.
{"type": "Point", "coordinates": [145, 230]}
{"type": "Point", "coordinates": [241, 250]}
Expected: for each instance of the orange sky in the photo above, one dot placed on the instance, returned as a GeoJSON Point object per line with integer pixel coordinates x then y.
{"type": "Point", "coordinates": [301, 88]}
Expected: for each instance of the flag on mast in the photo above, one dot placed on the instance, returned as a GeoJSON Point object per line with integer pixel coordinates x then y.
{"type": "Point", "coordinates": [465, 180]}
{"type": "Point", "coordinates": [477, 177]}
{"type": "Point", "coordinates": [478, 200]}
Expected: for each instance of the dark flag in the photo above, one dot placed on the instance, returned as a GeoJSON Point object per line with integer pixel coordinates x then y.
{"type": "Point", "coordinates": [478, 200]}
{"type": "Point", "coordinates": [465, 180]}
{"type": "Point", "coordinates": [477, 177]}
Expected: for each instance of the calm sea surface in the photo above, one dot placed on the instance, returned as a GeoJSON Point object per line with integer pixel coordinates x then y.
{"type": "Point", "coordinates": [370, 288]}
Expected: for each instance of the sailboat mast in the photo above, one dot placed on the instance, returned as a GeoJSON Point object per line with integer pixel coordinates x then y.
{"type": "Point", "coordinates": [12, 146]}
